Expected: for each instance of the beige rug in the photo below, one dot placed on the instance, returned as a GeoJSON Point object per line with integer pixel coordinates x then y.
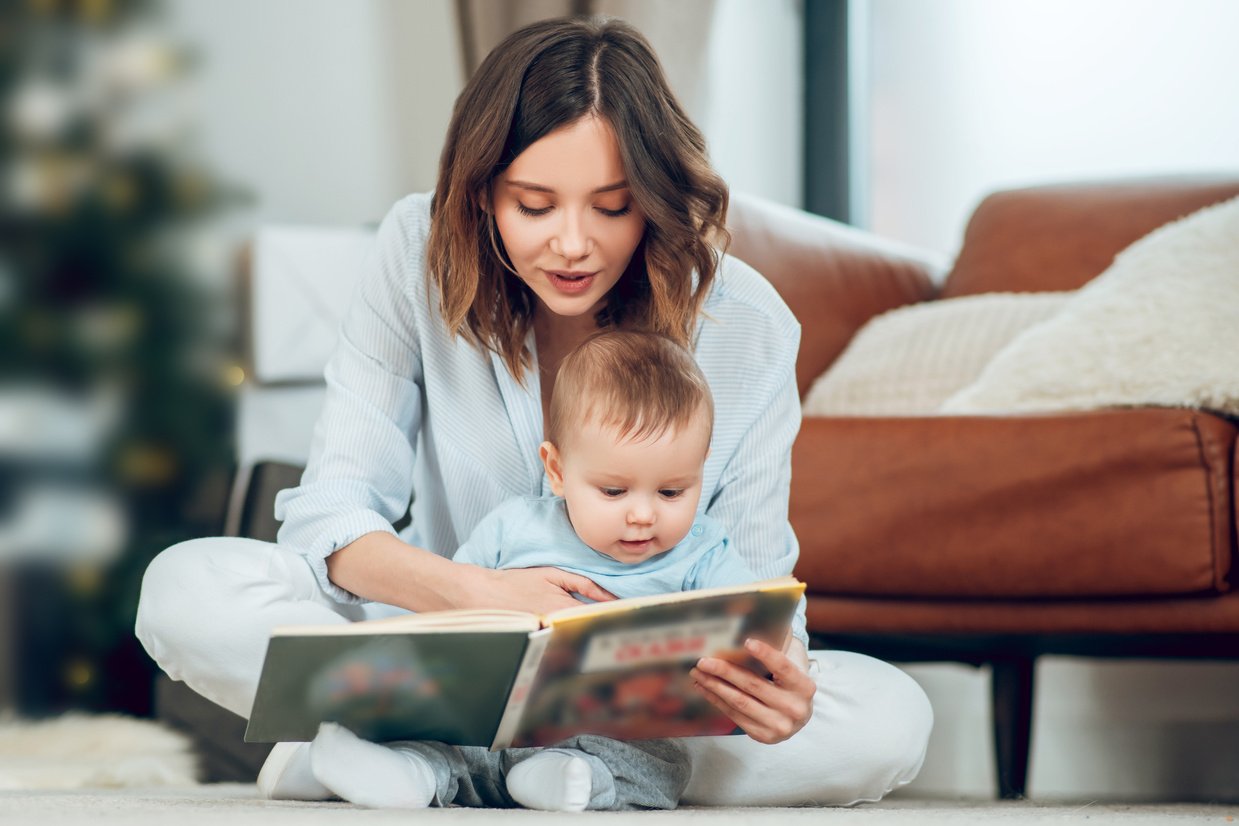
{"type": "Point", "coordinates": [238, 805]}
{"type": "Point", "coordinates": [83, 751]}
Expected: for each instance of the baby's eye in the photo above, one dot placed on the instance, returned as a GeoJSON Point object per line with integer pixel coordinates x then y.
{"type": "Point", "coordinates": [671, 493]}
{"type": "Point", "coordinates": [612, 492]}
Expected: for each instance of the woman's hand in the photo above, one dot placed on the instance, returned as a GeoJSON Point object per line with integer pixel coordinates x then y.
{"type": "Point", "coordinates": [538, 590]}
{"type": "Point", "coordinates": [380, 567]}
{"type": "Point", "coordinates": [769, 711]}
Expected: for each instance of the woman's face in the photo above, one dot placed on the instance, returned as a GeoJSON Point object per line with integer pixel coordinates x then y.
{"type": "Point", "coordinates": [566, 217]}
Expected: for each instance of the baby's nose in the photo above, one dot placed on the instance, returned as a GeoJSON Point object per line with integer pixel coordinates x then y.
{"type": "Point", "coordinates": [640, 514]}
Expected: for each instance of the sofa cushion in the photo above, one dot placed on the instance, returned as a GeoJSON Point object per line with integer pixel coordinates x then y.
{"type": "Point", "coordinates": [906, 362]}
{"type": "Point", "coordinates": [300, 282]}
{"type": "Point", "coordinates": [1159, 327]}
{"type": "Point", "coordinates": [1132, 622]}
{"type": "Point", "coordinates": [1100, 504]}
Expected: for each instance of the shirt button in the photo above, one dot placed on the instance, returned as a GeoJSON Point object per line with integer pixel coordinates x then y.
{"type": "Point", "coordinates": [698, 530]}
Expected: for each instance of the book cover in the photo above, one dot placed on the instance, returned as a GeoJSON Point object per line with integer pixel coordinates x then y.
{"type": "Point", "coordinates": [625, 674]}
{"type": "Point", "coordinates": [494, 679]}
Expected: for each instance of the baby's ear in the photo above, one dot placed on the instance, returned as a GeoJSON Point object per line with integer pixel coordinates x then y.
{"type": "Point", "coordinates": [554, 468]}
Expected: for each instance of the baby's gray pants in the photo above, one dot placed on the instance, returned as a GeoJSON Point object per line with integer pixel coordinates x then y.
{"type": "Point", "coordinates": [645, 774]}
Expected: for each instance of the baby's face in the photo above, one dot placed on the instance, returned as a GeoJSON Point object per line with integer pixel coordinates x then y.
{"type": "Point", "coordinates": [631, 500]}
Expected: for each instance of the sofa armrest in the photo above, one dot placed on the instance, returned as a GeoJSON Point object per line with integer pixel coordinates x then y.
{"type": "Point", "coordinates": [1098, 504]}
{"type": "Point", "coordinates": [832, 276]}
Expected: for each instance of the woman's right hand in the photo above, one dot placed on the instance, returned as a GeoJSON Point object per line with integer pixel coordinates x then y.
{"type": "Point", "coordinates": [536, 590]}
{"type": "Point", "coordinates": [380, 567]}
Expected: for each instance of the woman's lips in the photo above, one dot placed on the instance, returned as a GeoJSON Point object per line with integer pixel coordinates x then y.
{"type": "Point", "coordinates": [571, 282]}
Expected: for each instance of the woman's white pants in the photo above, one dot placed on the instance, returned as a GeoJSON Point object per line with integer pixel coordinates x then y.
{"type": "Point", "coordinates": [208, 606]}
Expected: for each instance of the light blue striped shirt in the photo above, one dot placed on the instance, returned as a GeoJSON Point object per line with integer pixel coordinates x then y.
{"type": "Point", "coordinates": [413, 413]}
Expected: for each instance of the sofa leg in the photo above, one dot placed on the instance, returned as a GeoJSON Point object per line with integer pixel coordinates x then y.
{"type": "Point", "coordinates": [1012, 697]}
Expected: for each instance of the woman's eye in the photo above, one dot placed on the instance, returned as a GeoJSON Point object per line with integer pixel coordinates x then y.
{"type": "Point", "coordinates": [671, 493]}
{"type": "Point", "coordinates": [616, 213]}
{"type": "Point", "coordinates": [612, 492]}
{"type": "Point", "coordinates": [530, 211]}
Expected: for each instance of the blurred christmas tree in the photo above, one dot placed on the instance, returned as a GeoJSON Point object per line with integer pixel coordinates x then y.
{"type": "Point", "coordinates": [116, 373]}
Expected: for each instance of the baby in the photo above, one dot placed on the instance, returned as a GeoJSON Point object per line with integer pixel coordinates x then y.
{"type": "Point", "coordinates": [630, 423]}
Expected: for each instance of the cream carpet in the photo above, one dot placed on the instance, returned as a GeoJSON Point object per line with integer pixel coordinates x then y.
{"type": "Point", "coordinates": [238, 805]}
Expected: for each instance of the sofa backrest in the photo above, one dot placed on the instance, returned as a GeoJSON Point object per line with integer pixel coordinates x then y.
{"type": "Point", "coordinates": [1058, 237]}
{"type": "Point", "coordinates": [833, 277]}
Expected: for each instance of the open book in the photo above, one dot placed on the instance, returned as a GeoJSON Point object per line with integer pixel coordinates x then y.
{"type": "Point", "coordinates": [503, 678]}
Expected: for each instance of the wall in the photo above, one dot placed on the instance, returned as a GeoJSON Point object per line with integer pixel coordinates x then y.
{"type": "Point", "coordinates": [331, 111]}
{"type": "Point", "coordinates": [753, 117]}
{"type": "Point", "coordinates": [972, 95]}
{"type": "Point", "coordinates": [328, 111]}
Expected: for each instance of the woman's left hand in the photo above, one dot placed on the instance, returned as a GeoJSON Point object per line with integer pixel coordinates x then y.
{"type": "Point", "coordinates": [769, 710]}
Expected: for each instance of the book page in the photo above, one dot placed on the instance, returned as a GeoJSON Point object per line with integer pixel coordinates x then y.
{"type": "Point", "coordinates": [462, 620]}
{"type": "Point", "coordinates": [622, 605]}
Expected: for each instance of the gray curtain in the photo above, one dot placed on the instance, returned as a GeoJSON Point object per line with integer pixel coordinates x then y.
{"type": "Point", "coordinates": [679, 32]}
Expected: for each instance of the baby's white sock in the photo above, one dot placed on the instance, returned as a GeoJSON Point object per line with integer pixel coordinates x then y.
{"type": "Point", "coordinates": [286, 775]}
{"type": "Point", "coordinates": [371, 774]}
{"type": "Point", "coordinates": [557, 780]}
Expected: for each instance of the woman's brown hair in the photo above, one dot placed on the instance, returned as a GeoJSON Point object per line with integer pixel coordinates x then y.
{"type": "Point", "coordinates": [542, 77]}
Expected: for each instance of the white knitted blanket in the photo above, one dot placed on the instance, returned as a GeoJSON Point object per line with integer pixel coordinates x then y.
{"type": "Point", "coordinates": [79, 751]}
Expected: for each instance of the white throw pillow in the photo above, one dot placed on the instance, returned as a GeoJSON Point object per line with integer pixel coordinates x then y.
{"type": "Point", "coordinates": [906, 362]}
{"type": "Point", "coordinates": [1159, 327]}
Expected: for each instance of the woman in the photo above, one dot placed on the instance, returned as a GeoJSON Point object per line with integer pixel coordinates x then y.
{"type": "Point", "coordinates": [573, 194]}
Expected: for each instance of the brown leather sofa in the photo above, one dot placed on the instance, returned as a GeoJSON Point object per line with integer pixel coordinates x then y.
{"type": "Point", "coordinates": [992, 540]}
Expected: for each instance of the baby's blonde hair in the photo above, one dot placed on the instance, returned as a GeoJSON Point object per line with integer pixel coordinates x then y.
{"type": "Point", "coordinates": [642, 383]}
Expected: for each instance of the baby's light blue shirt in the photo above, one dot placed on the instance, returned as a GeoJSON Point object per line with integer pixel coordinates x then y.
{"type": "Point", "coordinates": [531, 532]}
